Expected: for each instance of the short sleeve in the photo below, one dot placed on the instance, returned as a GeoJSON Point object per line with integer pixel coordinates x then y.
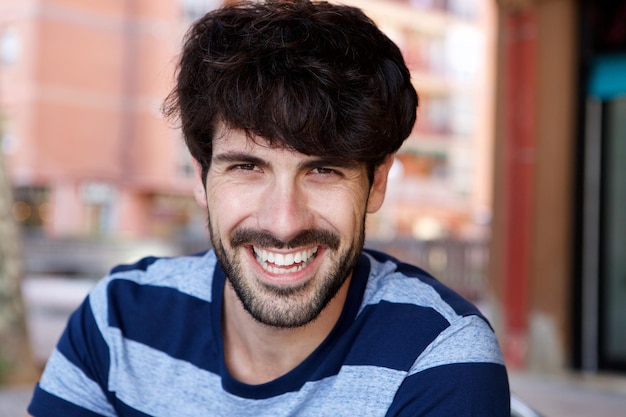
{"type": "Point", "coordinates": [460, 374]}
{"type": "Point", "coordinates": [74, 381]}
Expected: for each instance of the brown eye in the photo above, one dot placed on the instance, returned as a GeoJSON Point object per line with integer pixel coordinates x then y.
{"type": "Point", "coordinates": [324, 171]}
{"type": "Point", "coordinates": [245, 167]}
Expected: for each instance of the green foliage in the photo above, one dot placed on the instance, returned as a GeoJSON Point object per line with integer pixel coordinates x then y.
{"type": "Point", "coordinates": [6, 369]}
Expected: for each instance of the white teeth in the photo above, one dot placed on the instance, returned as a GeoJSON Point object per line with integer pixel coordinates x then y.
{"type": "Point", "coordinates": [276, 262]}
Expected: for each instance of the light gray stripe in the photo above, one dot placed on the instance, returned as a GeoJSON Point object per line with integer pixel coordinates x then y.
{"type": "Point", "coordinates": [191, 275]}
{"type": "Point", "coordinates": [173, 387]}
{"type": "Point", "coordinates": [385, 284]}
{"type": "Point", "coordinates": [63, 379]}
{"type": "Point", "coordinates": [468, 340]}
{"type": "Point", "coordinates": [159, 385]}
{"type": "Point", "coordinates": [364, 391]}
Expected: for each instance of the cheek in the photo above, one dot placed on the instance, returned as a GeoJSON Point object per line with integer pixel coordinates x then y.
{"type": "Point", "coordinates": [345, 213]}
{"type": "Point", "coordinates": [229, 206]}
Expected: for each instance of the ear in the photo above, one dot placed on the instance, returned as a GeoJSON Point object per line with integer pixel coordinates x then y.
{"type": "Point", "coordinates": [199, 191]}
{"type": "Point", "coordinates": [379, 185]}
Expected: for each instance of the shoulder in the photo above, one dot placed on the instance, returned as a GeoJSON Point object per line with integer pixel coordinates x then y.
{"type": "Point", "coordinates": [441, 340]}
{"type": "Point", "coordinates": [433, 322]}
{"type": "Point", "coordinates": [392, 281]}
{"type": "Point", "coordinates": [191, 274]}
{"type": "Point", "coordinates": [146, 302]}
{"type": "Point", "coordinates": [142, 288]}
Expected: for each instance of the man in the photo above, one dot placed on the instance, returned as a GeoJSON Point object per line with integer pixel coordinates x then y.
{"type": "Point", "coordinates": [292, 111]}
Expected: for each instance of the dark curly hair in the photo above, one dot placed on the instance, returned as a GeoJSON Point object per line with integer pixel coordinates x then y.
{"type": "Point", "coordinates": [314, 77]}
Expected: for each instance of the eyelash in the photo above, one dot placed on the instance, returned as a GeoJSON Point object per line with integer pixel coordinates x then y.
{"type": "Point", "coordinates": [325, 171]}
{"type": "Point", "coordinates": [245, 167]}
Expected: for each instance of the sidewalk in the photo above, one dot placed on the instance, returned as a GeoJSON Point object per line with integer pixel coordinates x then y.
{"type": "Point", "coordinates": [14, 400]}
{"type": "Point", "coordinates": [572, 395]}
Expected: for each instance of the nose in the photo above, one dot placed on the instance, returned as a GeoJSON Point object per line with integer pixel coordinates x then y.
{"type": "Point", "coordinates": [284, 210]}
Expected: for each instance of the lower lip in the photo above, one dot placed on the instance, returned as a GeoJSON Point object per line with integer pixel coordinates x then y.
{"type": "Point", "coordinates": [287, 278]}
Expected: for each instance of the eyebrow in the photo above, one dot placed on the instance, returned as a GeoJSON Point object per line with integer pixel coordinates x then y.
{"type": "Point", "coordinates": [238, 157]}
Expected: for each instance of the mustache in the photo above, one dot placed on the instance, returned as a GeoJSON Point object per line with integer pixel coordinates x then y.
{"type": "Point", "coordinates": [265, 239]}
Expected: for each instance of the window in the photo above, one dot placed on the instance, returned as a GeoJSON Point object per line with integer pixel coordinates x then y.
{"type": "Point", "coordinates": [9, 47]}
{"type": "Point", "coordinates": [194, 9]}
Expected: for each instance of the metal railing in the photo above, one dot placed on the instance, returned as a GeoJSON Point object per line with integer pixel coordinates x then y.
{"type": "Point", "coordinates": [460, 264]}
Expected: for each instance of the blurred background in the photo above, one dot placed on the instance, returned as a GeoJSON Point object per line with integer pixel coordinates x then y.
{"type": "Point", "coordinates": [510, 188]}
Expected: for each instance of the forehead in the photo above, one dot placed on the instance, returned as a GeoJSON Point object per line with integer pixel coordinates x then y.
{"type": "Point", "coordinates": [237, 140]}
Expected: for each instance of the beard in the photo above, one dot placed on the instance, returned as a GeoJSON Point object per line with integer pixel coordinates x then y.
{"type": "Point", "coordinates": [287, 307]}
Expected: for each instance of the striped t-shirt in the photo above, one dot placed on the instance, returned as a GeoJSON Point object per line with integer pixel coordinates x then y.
{"type": "Point", "coordinates": [147, 341]}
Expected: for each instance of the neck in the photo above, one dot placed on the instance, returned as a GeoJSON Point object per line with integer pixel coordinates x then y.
{"type": "Point", "coordinates": [256, 353]}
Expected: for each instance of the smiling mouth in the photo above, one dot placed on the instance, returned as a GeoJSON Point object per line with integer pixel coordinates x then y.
{"type": "Point", "coordinates": [284, 263]}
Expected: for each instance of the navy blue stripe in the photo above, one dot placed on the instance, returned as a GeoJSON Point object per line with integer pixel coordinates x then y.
{"type": "Point", "coordinates": [392, 335]}
{"type": "Point", "coordinates": [155, 315]}
{"type": "Point", "coordinates": [460, 390]}
{"type": "Point", "coordinates": [43, 403]}
{"type": "Point", "coordinates": [82, 344]}
{"type": "Point", "coordinates": [385, 335]}
{"type": "Point", "coordinates": [141, 265]}
{"type": "Point", "coordinates": [123, 409]}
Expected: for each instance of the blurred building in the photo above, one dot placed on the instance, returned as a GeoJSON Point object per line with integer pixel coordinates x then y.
{"type": "Point", "coordinates": [558, 249]}
{"type": "Point", "coordinates": [81, 84]}
{"type": "Point", "coordinates": [441, 183]}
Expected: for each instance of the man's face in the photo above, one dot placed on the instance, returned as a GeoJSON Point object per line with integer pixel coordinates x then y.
{"type": "Point", "coordinates": [287, 228]}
